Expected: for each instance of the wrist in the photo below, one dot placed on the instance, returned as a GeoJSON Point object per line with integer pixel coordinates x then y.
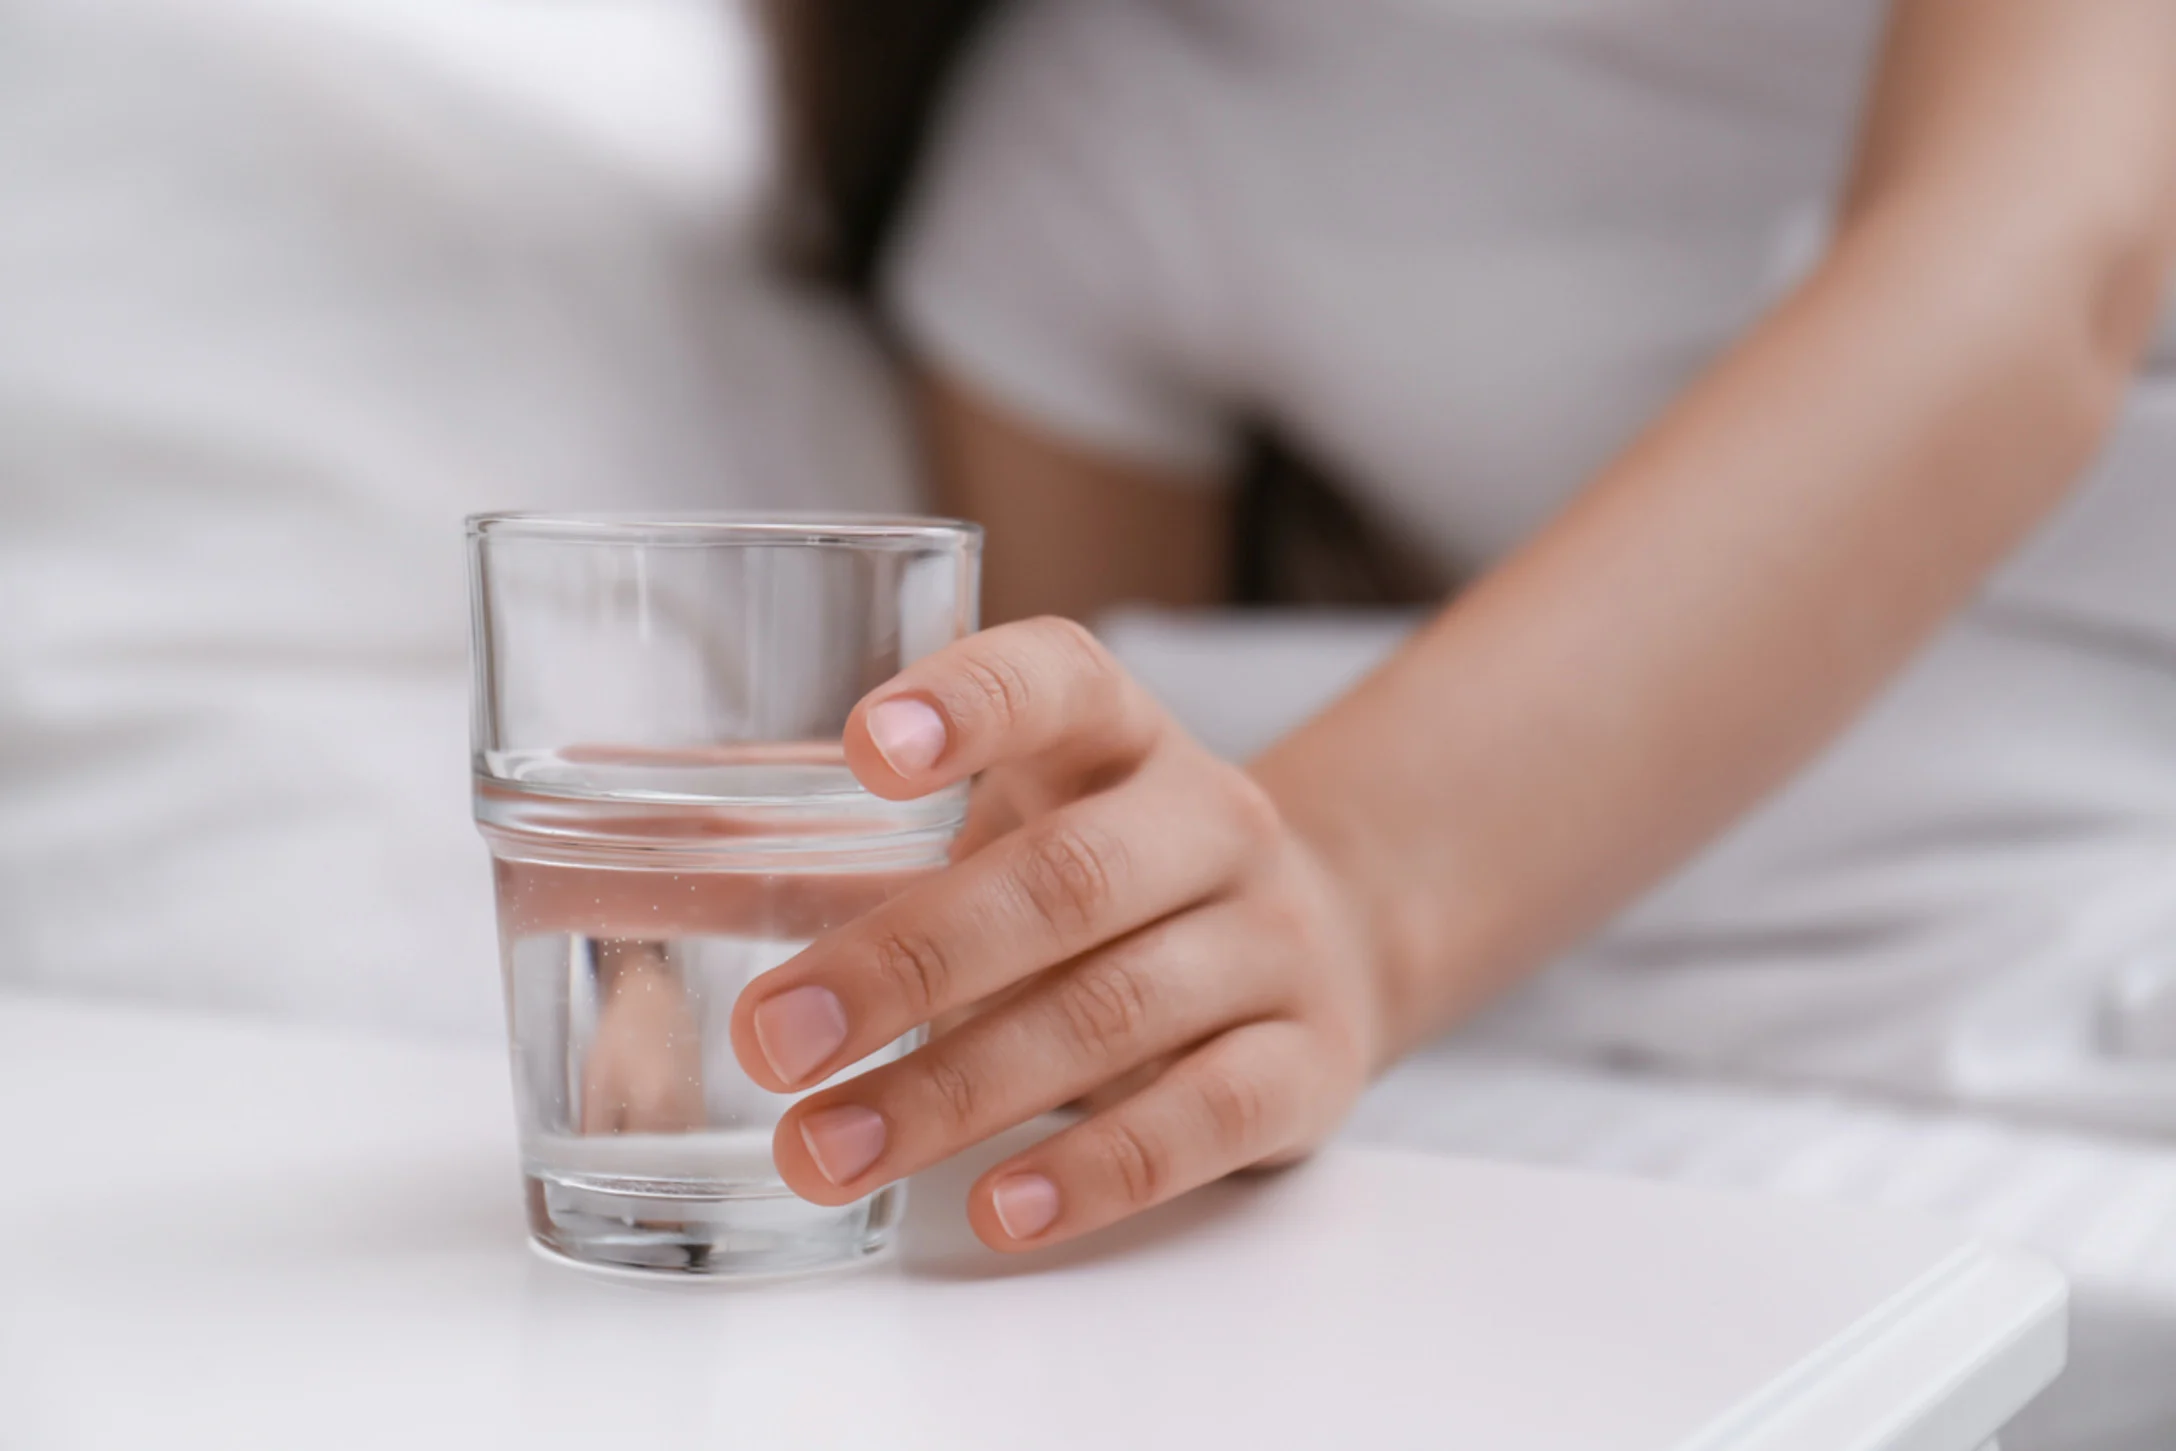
{"type": "Point", "coordinates": [1386, 938]}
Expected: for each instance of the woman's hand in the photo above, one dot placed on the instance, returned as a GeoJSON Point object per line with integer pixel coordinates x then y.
{"type": "Point", "coordinates": [1138, 903]}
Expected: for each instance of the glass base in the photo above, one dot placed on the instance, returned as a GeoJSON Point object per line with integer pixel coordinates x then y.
{"type": "Point", "coordinates": [669, 1227]}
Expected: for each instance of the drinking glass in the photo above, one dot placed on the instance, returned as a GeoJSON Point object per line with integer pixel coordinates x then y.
{"type": "Point", "coordinates": [658, 773]}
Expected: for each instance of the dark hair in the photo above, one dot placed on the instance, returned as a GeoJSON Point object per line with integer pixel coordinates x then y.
{"type": "Point", "coordinates": [857, 84]}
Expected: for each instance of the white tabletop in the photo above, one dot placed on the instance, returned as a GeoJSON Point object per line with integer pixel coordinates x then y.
{"type": "Point", "coordinates": [233, 1235]}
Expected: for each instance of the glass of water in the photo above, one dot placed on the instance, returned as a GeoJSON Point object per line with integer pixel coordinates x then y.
{"type": "Point", "coordinates": [658, 772]}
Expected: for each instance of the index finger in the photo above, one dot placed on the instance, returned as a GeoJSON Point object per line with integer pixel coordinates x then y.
{"type": "Point", "coordinates": [1042, 693]}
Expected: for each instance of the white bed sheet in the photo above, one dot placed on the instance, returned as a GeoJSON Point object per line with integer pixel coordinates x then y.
{"type": "Point", "coordinates": [2100, 1204]}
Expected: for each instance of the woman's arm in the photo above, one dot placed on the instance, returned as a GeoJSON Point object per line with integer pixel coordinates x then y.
{"type": "Point", "coordinates": [1734, 589]}
{"type": "Point", "coordinates": [1071, 532]}
{"type": "Point", "coordinates": [1237, 950]}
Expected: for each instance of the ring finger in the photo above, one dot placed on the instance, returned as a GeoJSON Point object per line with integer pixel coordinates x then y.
{"type": "Point", "coordinates": [1086, 1024]}
{"type": "Point", "coordinates": [1051, 891]}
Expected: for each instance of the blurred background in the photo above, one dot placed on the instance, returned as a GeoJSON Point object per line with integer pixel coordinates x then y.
{"type": "Point", "coordinates": [288, 287]}
{"type": "Point", "coordinates": [291, 286]}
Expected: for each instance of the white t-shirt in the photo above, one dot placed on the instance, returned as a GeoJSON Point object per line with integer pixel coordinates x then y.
{"type": "Point", "coordinates": [286, 288]}
{"type": "Point", "coordinates": [1462, 250]}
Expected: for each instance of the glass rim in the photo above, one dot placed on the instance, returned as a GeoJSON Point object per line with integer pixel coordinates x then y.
{"type": "Point", "coordinates": [683, 527]}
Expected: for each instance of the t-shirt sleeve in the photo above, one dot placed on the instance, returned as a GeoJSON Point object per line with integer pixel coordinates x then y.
{"type": "Point", "coordinates": [1051, 256]}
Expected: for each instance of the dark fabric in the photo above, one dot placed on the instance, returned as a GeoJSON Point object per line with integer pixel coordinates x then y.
{"type": "Point", "coordinates": [1301, 540]}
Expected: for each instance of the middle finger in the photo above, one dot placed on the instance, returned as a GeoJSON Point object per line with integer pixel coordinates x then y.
{"type": "Point", "coordinates": [1078, 1028]}
{"type": "Point", "coordinates": [1090, 872]}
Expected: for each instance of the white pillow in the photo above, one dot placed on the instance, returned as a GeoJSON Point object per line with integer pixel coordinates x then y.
{"type": "Point", "coordinates": [287, 294]}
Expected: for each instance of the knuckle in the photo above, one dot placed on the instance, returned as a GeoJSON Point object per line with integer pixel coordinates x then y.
{"type": "Point", "coordinates": [956, 1091]}
{"type": "Point", "coordinates": [1132, 1161]}
{"type": "Point", "coordinates": [1073, 642]}
{"type": "Point", "coordinates": [1251, 810]}
{"type": "Point", "coordinates": [1000, 687]}
{"type": "Point", "coordinates": [1108, 1004]}
{"type": "Point", "coordinates": [1234, 1105]}
{"type": "Point", "coordinates": [913, 967]}
{"type": "Point", "coordinates": [1100, 684]}
{"type": "Point", "coordinates": [1069, 876]}
{"type": "Point", "coordinates": [1285, 921]}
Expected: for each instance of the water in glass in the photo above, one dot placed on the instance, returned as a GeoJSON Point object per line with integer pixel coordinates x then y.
{"type": "Point", "coordinates": [639, 891]}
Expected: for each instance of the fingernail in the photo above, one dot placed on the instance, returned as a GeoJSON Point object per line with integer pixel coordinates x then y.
{"type": "Point", "coordinates": [843, 1141]}
{"type": "Point", "coordinates": [799, 1029]}
{"type": "Point", "coordinates": [909, 734]}
{"type": "Point", "coordinates": [1025, 1204]}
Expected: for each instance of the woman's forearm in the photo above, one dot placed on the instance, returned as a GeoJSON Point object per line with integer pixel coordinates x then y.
{"type": "Point", "coordinates": [1697, 625]}
{"type": "Point", "coordinates": [1724, 599]}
